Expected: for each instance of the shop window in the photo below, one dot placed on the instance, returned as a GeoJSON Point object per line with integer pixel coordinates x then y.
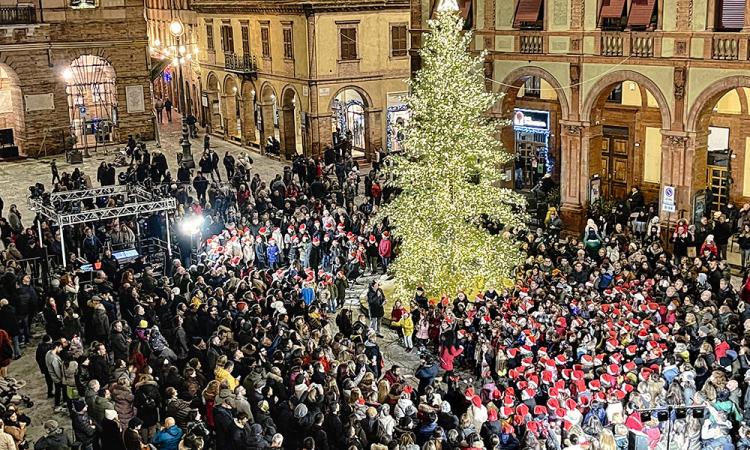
{"type": "Point", "coordinates": [643, 15]}
{"type": "Point", "coordinates": [265, 41]}
{"type": "Point", "coordinates": [730, 15]}
{"type": "Point", "coordinates": [613, 15]}
{"type": "Point", "coordinates": [348, 43]}
{"type": "Point", "coordinates": [616, 95]}
{"type": "Point", "coordinates": [288, 43]}
{"type": "Point", "coordinates": [529, 15]}
{"type": "Point", "coordinates": [398, 40]}
{"type": "Point", "coordinates": [210, 36]}
{"type": "Point", "coordinates": [532, 87]}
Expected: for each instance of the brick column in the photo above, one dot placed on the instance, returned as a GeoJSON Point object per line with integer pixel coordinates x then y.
{"type": "Point", "coordinates": [266, 110]}
{"type": "Point", "coordinates": [320, 133]}
{"type": "Point", "coordinates": [676, 167]}
{"type": "Point", "coordinates": [574, 174]}
{"type": "Point", "coordinates": [248, 121]}
{"type": "Point", "coordinates": [229, 107]}
{"type": "Point", "coordinates": [374, 129]}
{"type": "Point", "coordinates": [288, 133]}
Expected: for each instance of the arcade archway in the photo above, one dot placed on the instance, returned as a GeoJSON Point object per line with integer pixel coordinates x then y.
{"type": "Point", "coordinates": [12, 127]}
{"type": "Point", "coordinates": [350, 123]}
{"type": "Point", "coordinates": [535, 103]}
{"type": "Point", "coordinates": [212, 112]}
{"type": "Point", "coordinates": [90, 85]}
{"type": "Point", "coordinates": [627, 112]}
{"type": "Point", "coordinates": [231, 109]}
{"type": "Point", "coordinates": [269, 118]}
{"type": "Point", "coordinates": [718, 121]}
{"type": "Point", "coordinates": [291, 133]}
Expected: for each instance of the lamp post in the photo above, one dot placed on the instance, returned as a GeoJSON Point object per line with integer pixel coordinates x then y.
{"type": "Point", "coordinates": [176, 29]}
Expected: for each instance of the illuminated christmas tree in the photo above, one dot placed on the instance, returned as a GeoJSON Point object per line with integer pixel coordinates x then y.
{"type": "Point", "coordinates": [449, 175]}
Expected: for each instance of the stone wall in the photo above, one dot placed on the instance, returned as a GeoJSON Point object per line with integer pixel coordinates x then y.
{"type": "Point", "coordinates": [115, 31]}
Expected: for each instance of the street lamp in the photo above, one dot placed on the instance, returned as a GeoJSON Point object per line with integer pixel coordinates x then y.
{"type": "Point", "coordinates": [176, 29]}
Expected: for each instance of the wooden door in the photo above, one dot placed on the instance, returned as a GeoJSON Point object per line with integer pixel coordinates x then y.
{"type": "Point", "coordinates": [615, 163]}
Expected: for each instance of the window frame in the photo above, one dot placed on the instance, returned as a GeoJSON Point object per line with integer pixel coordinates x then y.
{"type": "Point", "coordinates": [245, 37]}
{"type": "Point", "coordinates": [227, 37]}
{"type": "Point", "coordinates": [405, 50]}
{"type": "Point", "coordinates": [345, 27]}
{"type": "Point", "coordinates": [287, 30]}
{"type": "Point", "coordinates": [265, 39]}
{"type": "Point", "coordinates": [210, 43]}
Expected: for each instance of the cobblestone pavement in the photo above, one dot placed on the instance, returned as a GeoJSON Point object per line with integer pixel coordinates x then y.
{"type": "Point", "coordinates": [16, 177]}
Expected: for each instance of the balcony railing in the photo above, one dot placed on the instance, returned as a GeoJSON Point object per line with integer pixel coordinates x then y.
{"type": "Point", "coordinates": [531, 43]}
{"type": "Point", "coordinates": [12, 15]}
{"type": "Point", "coordinates": [240, 63]}
{"type": "Point", "coordinates": [642, 45]}
{"type": "Point", "coordinates": [725, 48]}
{"type": "Point", "coordinates": [613, 44]}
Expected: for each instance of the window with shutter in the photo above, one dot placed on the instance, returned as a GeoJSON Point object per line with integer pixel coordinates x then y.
{"type": "Point", "coordinates": [529, 14]}
{"type": "Point", "coordinates": [227, 38]}
{"type": "Point", "coordinates": [730, 14]}
{"type": "Point", "coordinates": [398, 40]}
{"type": "Point", "coordinates": [245, 40]}
{"type": "Point", "coordinates": [348, 40]}
{"type": "Point", "coordinates": [642, 13]}
{"type": "Point", "coordinates": [288, 44]}
{"type": "Point", "coordinates": [210, 36]}
{"type": "Point", "coordinates": [611, 14]}
{"type": "Point", "coordinates": [265, 43]}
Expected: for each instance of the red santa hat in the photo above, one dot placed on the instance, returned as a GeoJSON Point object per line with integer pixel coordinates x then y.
{"type": "Point", "coordinates": [476, 401]}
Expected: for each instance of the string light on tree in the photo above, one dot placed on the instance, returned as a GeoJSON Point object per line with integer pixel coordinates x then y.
{"type": "Point", "coordinates": [449, 174]}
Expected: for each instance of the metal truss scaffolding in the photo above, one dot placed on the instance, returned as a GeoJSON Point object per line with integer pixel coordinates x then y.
{"type": "Point", "coordinates": [136, 201]}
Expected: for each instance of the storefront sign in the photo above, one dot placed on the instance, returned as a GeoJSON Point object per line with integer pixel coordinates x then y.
{"type": "Point", "coordinates": [39, 102]}
{"type": "Point", "coordinates": [324, 92]}
{"type": "Point", "coordinates": [134, 99]}
{"type": "Point", "coordinates": [204, 100]}
{"type": "Point", "coordinates": [530, 118]}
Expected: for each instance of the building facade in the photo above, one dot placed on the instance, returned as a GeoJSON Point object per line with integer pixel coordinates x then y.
{"type": "Point", "coordinates": [162, 44]}
{"type": "Point", "coordinates": [72, 68]}
{"type": "Point", "coordinates": [630, 93]}
{"type": "Point", "coordinates": [300, 71]}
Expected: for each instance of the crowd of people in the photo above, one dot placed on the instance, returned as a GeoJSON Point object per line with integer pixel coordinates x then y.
{"type": "Point", "coordinates": [628, 337]}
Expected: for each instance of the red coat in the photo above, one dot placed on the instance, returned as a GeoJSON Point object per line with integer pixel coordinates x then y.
{"type": "Point", "coordinates": [384, 248]}
{"type": "Point", "coordinates": [447, 355]}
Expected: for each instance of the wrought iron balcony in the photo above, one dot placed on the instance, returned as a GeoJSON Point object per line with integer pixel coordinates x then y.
{"type": "Point", "coordinates": [243, 64]}
{"type": "Point", "coordinates": [19, 14]}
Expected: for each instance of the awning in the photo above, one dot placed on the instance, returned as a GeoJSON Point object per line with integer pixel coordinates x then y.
{"type": "Point", "coordinates": [641, 12]}
{"type": "Point", "coordinates": [527, 11]}
{"type": "Point", "coordinates": [612, 9]}
{"type": "Point", "coordinates": [732, 14]}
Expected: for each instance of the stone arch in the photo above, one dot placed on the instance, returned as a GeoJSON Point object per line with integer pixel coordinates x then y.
{"type": "Point", "coordinates": [212, 82]}
{"type": "Point", "coordinates": [605, 83]}
{"type": "Point", "coordinates": [362, 93]}
{"type": "Point", "coordinates": [708, 98]}
{"type": "Point", "coordinates": [250, 113]}
{"type": "Point", "coordinates": [697, 125]}
{"type": "Point", "coordinates": [515, 79]}
{"type": "Point", "coordinates": [269, 123]}
{"type": "Point", "coordinates": [212, 112]}
{"type": "Point", "coordinates": [231, 108]}
{"type": "Point", "coordinates": [612, 154]}
{"type": "Point", "coordinates": [91, 90]}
